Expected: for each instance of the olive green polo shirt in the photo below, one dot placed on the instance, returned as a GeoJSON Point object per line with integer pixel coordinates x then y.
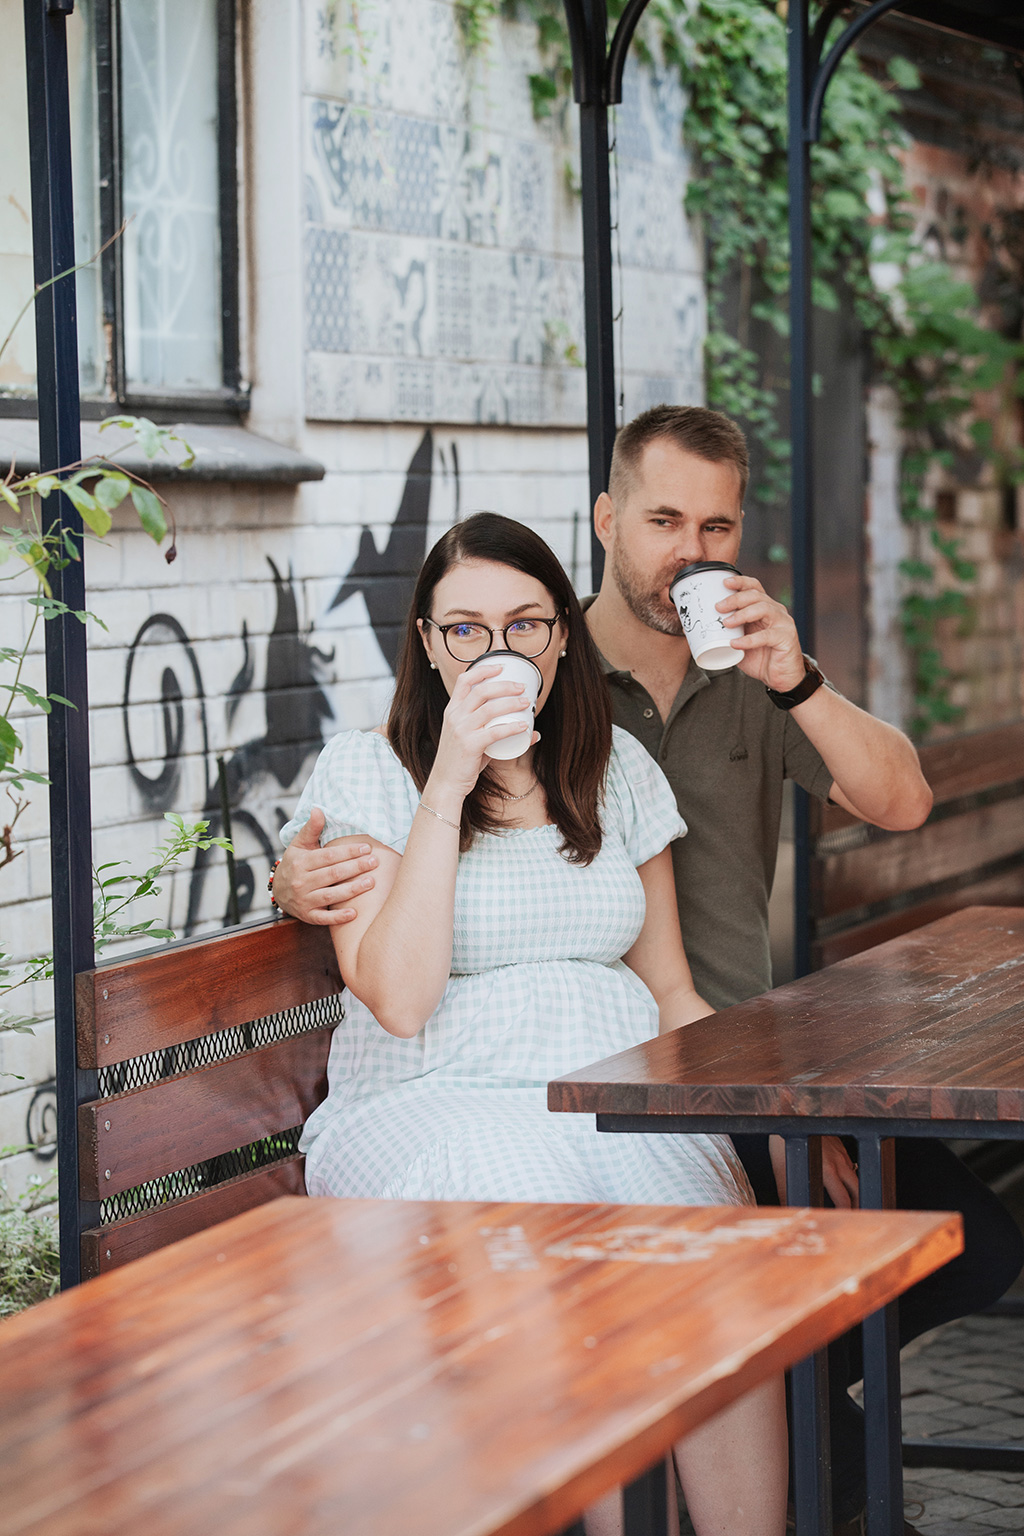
{"type": "Point", "coordinates": [725, 749]}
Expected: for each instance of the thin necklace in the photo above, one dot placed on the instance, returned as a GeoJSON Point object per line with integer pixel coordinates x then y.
{"type": "Point", "coordinates": [502, 795]}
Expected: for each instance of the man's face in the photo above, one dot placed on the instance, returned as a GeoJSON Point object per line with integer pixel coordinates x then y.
{"type": "Point", "coordinates": [677, 509]}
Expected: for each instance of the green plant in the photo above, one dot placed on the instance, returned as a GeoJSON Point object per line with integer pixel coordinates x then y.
{"type": "Point", "coordinates": [919, 321]}
{"type": "Point", "coordinates": [29, 1250]}
{"type": "Point", "coordinates": [475, 18]}
{"type": "Point", "coordinates": [114, 894]}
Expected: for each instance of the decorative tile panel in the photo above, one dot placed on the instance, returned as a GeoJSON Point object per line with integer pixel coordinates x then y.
{"type": "Point", "coordinates": [444, 279]}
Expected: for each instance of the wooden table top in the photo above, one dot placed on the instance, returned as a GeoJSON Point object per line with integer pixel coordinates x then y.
{"type": "Point", "coordinates": [929, 1026]}
{"type": "Point", "coordinates": [374, 1368]}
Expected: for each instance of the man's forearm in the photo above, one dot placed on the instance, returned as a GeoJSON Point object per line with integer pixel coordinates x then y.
{"type": "Point", "coordinates": [874, 767]}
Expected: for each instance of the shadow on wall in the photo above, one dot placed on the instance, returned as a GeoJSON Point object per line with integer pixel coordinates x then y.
{"type": "Point", "coordinates": [294, 701]}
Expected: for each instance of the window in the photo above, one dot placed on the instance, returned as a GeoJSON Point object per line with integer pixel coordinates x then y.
{"type": "Point", "coordinates": [154, 129]}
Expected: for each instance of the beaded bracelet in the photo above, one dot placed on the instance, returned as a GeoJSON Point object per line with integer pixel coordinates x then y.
{"type": "Point", "coordinates": [270, 885]}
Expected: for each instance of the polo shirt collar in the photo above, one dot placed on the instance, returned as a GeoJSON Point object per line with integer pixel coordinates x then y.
{"type": "Point", "coordinates": [696, 678]}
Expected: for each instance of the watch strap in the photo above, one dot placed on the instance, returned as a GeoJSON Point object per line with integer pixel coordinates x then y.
{"type": "Point", "coordinates": [810, 683]}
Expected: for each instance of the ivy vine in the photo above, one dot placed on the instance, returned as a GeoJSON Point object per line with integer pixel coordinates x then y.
{"type": "Point", "coordinates": [922, 325]}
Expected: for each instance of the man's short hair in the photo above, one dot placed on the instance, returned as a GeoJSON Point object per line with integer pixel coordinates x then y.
{"type": "Point", "coordinates": [693, 428]}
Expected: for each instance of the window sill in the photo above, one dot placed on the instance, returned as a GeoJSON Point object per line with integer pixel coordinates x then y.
{"type": "Point", "coordinates": [223, 453]}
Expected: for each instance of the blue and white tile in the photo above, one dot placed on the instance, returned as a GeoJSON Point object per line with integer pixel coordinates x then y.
{"type": "Point", "coordinates": [348, 52]}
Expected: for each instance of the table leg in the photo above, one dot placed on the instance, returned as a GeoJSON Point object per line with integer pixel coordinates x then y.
{"type": "Point", "coordinates": [645, 1503]}
{"type": "Point", "coordinates": [882, 1420]}
{"type": "Point", "coordinates": [812, 1474]}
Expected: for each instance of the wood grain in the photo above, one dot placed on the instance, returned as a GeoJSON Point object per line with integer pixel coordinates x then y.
{"type": "Point", "coordinates": [183, 991]}
{"type": "Point", "coordinates": [107, 1248]}
{"type": "Point", "coordinates": [139, 1135]}
{"type": "Point", "coordinates": [928, 1026]}
{"type": "Point", "coordinates": [1001, 891]}
{"type": "Point", "coordinates": [910, 860]}
{"type": "Point", "coordinates": [963, 765]}
{"type": "Point", "coordinates": [376, 1367]}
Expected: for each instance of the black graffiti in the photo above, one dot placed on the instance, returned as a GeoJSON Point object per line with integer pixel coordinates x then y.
{"type": "Point", "coordinates": [387, 579]}
{"type": "Point", "coordinates": [294, 701]}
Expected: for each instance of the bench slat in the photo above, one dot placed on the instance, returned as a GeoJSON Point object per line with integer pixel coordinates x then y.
{"type": "Point", "coordinates": [181, 992]}
{"type": "Point", "coordinates": [961, 766]}
{"type": "Point", "coordinates": [105, 1248]}
{"type": "Point", "coordinates": [908, 860]}
{"type": "Point", "coordinates": [197, 1115]}
{"type": "Point", "coordinates": [1002, 891]}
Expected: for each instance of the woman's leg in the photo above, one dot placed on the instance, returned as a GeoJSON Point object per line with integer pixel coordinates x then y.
{"type": "Point", "coordinates": [735, 1468]}
{"type": "Point", "coordinates": [605, 1517]}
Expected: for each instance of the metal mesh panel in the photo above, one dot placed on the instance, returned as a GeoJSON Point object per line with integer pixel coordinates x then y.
{"type": "Point", "coordinates": [189, 1181]}
{"type": "Point", "coordinates": [141, 1071]}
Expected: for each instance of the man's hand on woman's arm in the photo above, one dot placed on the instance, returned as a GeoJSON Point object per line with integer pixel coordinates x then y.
{"type": "Point", "coordinates": [315, 884]}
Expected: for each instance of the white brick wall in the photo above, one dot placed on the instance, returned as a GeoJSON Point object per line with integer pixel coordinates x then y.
{"type": "Point", "coordinates": [227, 534]}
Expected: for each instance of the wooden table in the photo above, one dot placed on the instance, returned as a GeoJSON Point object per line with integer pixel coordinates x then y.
{"type": "Point", "coordinates": [378, 1367]}
{"type": "Point", "coordinates": [922, 1036]}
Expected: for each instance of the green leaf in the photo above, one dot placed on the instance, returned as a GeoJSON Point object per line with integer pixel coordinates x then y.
{"type": "Point", "coordinates": [94, 516]}
{"type": "Point", "coordinates": [111, 490]}
{"type": "Point", "coordinates": [9, 496]}
{"type": "Point", "coordinates": [904, 73]}
{"type": "Point", "coordinates": [151, 513]}
{"type": "Point", "coordinates": [10, 742]}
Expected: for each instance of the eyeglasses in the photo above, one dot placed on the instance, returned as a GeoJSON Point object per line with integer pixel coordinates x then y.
{"type": "Point", "coordinates": [465, 641]}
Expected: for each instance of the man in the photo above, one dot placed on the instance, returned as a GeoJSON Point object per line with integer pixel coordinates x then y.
{"type": "Point", "coordinates": [726, 742]}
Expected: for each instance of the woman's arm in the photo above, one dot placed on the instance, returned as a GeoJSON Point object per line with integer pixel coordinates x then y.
{"type": "Point", "coordinates": [658, 956]}
{"type": "Point", "coordinates": [396, 955]}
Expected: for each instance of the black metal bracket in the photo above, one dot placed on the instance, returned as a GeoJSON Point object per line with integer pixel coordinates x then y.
{"type": "Point", "coordinates": [597, 84]}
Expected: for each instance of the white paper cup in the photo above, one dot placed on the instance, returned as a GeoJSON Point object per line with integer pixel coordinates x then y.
{"type": "Point", "coordinates": [694, 592]}
{"type": "Point", "coordinates": [518, 669]}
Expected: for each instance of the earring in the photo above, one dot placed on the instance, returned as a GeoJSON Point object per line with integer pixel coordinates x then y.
{"type": "Point", "coordinates": [561, 654]}
{"type": "Point", "coordinates": [433, 666]}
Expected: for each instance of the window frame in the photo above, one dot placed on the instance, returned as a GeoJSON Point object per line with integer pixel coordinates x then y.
{"type": "Point", "coordinates": [230, 400]}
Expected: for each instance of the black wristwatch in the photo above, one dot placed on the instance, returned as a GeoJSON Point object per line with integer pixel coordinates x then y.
{"type": "Point", "coordinates": [811, 682]}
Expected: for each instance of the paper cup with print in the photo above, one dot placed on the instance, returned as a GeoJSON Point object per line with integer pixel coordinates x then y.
{"type": "Point", "coordinates": [694, 592]}
{"type": "Point", "coordinates": [518, 669]}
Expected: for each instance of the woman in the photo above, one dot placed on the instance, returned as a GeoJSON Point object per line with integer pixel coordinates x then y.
{"type": "Point", "coordinates": [522, 924]}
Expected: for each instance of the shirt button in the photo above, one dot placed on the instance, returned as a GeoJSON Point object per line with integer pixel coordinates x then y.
{"type": "Point", "coordinates": [648, 713]}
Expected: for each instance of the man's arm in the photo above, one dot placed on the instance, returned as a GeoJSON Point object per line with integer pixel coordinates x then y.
{"type": "Point", "coordinates": [316, 884]}
{"type": "Point", "coordinates": [875, 769]}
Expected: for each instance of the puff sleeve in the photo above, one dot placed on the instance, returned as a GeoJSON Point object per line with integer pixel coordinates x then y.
{"type": "Point", "coordinates": [361, 787]}
{"type": "Point", "coordinates": [639, 802]}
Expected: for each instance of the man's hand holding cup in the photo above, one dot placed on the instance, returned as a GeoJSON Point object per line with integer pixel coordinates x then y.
{"type": "Point", "coordinates": [767, 635]}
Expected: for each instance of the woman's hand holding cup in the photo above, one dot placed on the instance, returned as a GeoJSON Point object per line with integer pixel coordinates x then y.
{"type": "Point", "coordinates": [477, 700]}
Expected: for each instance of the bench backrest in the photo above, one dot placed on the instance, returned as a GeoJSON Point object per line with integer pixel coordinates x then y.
{"type": "Point", "coordinates": [868, 885]}
{"type": "Point", "coordinates": [210, 1055]}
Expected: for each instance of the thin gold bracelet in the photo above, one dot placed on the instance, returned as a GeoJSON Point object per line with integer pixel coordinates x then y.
{"type": "Point", "coordinates": [430, 809]}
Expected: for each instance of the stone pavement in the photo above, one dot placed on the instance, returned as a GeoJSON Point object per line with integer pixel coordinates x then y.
{"type": "Point", "coordinates": [966, 1380]}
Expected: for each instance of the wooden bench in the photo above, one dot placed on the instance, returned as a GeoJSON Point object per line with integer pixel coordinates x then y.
{"type": "Point", "coordinates": [208, 1055]}
{"type": "Point", "coordinates": [868, 885]}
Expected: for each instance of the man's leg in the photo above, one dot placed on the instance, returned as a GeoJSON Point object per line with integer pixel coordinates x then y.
{"type": "Point", "coordinates": [929, 1177]}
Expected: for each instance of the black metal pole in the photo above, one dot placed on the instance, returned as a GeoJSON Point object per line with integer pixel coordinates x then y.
{"type": "Point", "coordinates": [595, 192]}
{"type": "Point", "coordinates": [802, 501]}
{"type": "Point", "coordinates": [53, 239]}
{"type": "Point", "coordinates": [598, 308]}
{"type": "Point", "coordinates": [812, 1463]}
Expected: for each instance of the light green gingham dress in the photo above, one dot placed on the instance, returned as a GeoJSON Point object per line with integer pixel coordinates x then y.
{"type": "Point", "coordinates": [538, 988]}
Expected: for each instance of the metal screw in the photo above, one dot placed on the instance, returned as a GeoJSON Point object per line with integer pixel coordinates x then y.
{"type": "Point", "coordinates": [108, 1253]}
{"type": "Point", "coordinates": [104, 994]}
{"type": "Point", "coordinates": [106, 1039]}
{"type": "Point", "coordinates": [106, 1125]}
{"type": "Point", "coordinates": [107, 1174]}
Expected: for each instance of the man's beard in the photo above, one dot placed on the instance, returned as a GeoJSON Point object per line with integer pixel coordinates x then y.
{"type": "Point", "coordinates": [642, 602]}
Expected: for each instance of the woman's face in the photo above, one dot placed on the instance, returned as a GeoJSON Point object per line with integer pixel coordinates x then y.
{"type": "Point", "coordinates": [484, 592]}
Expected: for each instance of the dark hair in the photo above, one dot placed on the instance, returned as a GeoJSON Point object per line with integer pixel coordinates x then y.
{"type": "Point", "coordinates": [693, 428]}
{"type": "Point", "coordinates": [572, 755]}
